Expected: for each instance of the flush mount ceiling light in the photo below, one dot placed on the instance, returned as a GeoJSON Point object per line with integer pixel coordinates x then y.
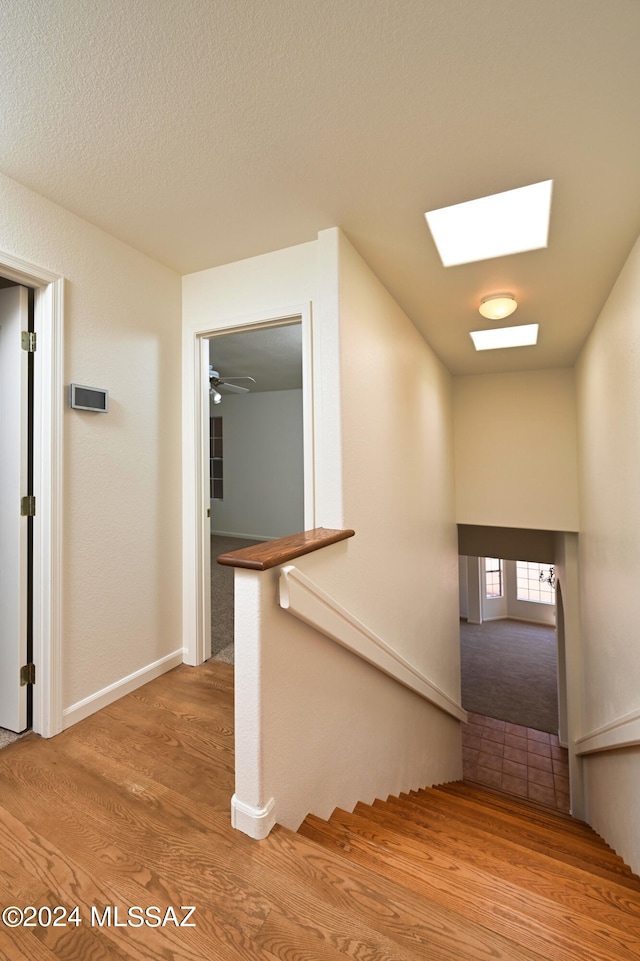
{"type": "Point", "coordinates": [497, 306]}
{"type": "Point", "coordinates": [510, 222]}
{"type": "Point", "coordinates": [522, 336]}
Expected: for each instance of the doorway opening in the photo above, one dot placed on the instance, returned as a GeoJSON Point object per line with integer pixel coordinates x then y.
{"type": "Point", "coordinates": [42, 485]}
{"type": "Point", "coordinates": [197, 499]}
{"type": "Point", "coordinates": [16, 500]}
{"type": "Point", "coordinates": [256, 446]}
{"type": "Point", "coordinates": [510, 659]}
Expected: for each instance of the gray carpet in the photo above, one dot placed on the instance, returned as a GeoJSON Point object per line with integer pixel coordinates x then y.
{"type": "Point", "coordinates": [222, 596]}
{"type": "Point", "coordinates": [509, 671]}
{"type": "Point", "coordinates": [8, 737]}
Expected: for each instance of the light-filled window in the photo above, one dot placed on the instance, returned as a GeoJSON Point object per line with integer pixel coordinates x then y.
{"type": "Point", "coordinates": [536, 582]}
{"type": "Point", "coordinates": [493, 576]}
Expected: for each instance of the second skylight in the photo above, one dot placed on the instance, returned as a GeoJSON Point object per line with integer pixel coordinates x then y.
{"type": "Point", "coordinates": [510, 222]}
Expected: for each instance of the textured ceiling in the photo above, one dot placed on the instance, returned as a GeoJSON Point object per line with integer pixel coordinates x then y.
{"type": "Point", "coordinates": [206, 131]}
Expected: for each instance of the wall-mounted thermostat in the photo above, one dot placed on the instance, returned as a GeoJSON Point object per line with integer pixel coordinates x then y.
{"type": "Point", "coordinates": [89, 398]}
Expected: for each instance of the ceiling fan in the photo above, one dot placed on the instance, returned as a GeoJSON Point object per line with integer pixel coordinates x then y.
{"type": "Point", "coordinates": [216, 381]}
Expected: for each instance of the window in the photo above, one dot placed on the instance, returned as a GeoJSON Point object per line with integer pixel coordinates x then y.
{"type": "Point", "coordinates": [536, 582]}
{"type": "Point", "coordinates": [215, 457]}
{"type": "Point", "coordinates": [493, 576]}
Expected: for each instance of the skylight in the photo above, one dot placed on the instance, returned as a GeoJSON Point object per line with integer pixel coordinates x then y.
{"type": "Point", "coordinates": [506, 223]}
{"type": "Point", "coordinates": [521, 336]}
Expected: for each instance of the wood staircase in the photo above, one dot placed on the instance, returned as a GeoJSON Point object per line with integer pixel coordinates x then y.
{"type": "Point", "coordinates": [483, 875]}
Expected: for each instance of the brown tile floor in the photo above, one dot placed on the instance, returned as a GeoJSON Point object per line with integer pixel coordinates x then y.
{"type": "Point", "coordinates": [516, 759]}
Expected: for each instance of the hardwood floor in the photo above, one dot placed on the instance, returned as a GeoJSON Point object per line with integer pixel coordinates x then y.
{"type": "Point", "coordinates": [130, 808]}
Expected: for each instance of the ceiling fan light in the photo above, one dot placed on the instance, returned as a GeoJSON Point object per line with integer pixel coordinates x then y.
{"type": "Point", "coordinates": [497, 306]}
{"type": "Point", "coordinates": [215, 395]}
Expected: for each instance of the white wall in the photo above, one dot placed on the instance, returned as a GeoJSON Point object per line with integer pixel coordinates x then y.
{"type": "Point", "coordinates": [397, 435]}
{"type": "Point", "coordinates": [263, 464]}
{"type": "Point", "coordinates": [515, 450]}
{"type": "Point", "coordinates": [121, 509]}
{"type": "Point", "coordinates": [314, 724]}
{"type": "Point", "coordinates": [608, 383]}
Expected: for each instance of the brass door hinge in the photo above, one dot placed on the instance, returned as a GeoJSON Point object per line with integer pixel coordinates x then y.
{"type": "Point", "coordinates": [27, 674]}
{"type": "Point", "coordinates": [28, 506]}
{"type": "Point", "coordinates": [28, 341]}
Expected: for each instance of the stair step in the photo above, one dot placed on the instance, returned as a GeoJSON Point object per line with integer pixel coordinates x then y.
{"type": "Point", "coordinates": [495, 878]}
{"type": "Point", "coordinates": [587, 853]}
{"type": "Point", "coordinates": [431, 928]}
{"type": "Point", "coordinates": [503, 859]}
{"type": "Point", "coordinates": [574, 833]}
{"type": "Point", "coordinates": [536, 812]}
{"type": "Point", "coordinates": [539, 812]}
{"type": "Point", "coordinates": [457, 885]}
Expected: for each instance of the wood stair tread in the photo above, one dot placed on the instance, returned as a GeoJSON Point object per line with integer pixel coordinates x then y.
{"type": "Point", "coordinates": [590, 851]}
{"type": "Point", "coordinates": [438, 931]}
{"type": "Point", "coordinates": [503, 858]}
{"type": "Point", "coordinates": [560, 819]}
{"type": "Point", "coordinates": [501, 798]}
{"type": "Point", "coordinates": [516, 908]}
{"type": "Point", "coordinates": [536, 812]}
{"type": "Point", "coordinates": [530, 882]}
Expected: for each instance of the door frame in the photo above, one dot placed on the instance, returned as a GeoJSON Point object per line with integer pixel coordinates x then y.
{"type": "Point", "coordinates": [47, 527]}
{"type": "Point", "coordinates": [196, 543]}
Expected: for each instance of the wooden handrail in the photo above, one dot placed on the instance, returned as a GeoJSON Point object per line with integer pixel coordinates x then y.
{"type": "Point", "coordinates": [260, 557]}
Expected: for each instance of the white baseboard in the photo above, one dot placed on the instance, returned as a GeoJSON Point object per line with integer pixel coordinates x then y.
{"type": "Point", "coordinates": [95, 702]}
{"type": "Point", "coordinates": [531, 620]}
{"type": "Point", "coordinates": [255, 822]}
{"type": "Point", "coordinates": [246, 537]}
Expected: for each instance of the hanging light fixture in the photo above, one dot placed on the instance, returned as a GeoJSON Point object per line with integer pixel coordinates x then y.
{"type": "Point", "coordinates": [497, 306]}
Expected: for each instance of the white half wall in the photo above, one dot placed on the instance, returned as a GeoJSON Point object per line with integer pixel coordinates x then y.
{"type": "Point", "coordinates": [608, 383]}
{"type": "Point", "coordinates": [515, 450]}
{"type": "Point", "coordinates": [263, 465]}
{"type": "Point", "coordinates": [121, 531]}
{"type": "Point", "coordinates": [322, 728]}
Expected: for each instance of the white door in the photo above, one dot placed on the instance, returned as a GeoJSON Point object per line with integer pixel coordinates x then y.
{"type": "Point", "coordinates": [13, 527]}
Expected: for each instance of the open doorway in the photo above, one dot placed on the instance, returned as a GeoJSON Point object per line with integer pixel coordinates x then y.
{"type": "Point", "coordinates": [510, 665]}
{"type": "Point", "coordinates": [44, 292]}
{"type": "Point", "coordinates": [16, 510]}
{"type": "Point", "coordinates": [509, 652]}
{"type": "Point", "coordinates": [256, 445]}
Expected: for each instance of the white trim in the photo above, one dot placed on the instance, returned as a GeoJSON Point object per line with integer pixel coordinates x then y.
{"type": "Point", "coordinates": [95, 702]}
{"type": "Point", "coordinates": [48, 447]}
{"type": "Point", "coordinates": [520, 620]}
{"type": "Point", "coordinates": [255, 822]}
{"type": "Point", "coordinates": [244, 537]}
{"type": "Point", "coordinates": [195, 498]}
{"type": "Point", "coordinates": [623, 732]}
{"type": "Point", "coordinates": [303, 598]}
